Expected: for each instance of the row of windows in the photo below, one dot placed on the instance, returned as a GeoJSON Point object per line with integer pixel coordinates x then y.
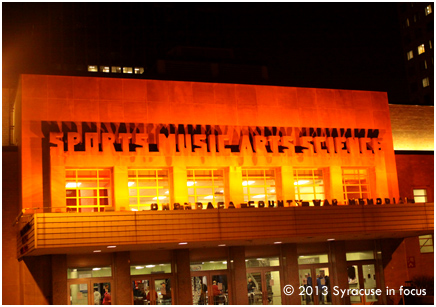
{"type": "Point", "coordinates": [91, 189]}
{"type": "Point", "coordinates": [420, 50]}
{"type": "Point", "coordinates": [427, 11]}
{"type": "Point", "coordinates": [116, 69]}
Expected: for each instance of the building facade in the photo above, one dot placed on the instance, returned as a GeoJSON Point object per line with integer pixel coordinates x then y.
{"type": "Point", "coordinates": [170, 192]}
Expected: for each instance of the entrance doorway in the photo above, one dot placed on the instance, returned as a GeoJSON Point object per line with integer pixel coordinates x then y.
{"type": "Point", "coordinates": [90, 292]}
{"type": "Point", "coordinates": [362, 275]}
{"type": "Point", "coordinates": [152, 290]}
{"type": "Point", "coordinates": [264, 287]}
{"type": "Point", "coordinates": [210, 288]}
{"type": "Point", "coordinates": [315, 280]}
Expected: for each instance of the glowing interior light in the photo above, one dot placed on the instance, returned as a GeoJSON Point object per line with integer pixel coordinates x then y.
{"type": "Point", "coordinates": [96, 269]}
{"type": "Point", "coordinates": [273, 191]}
{"type": "Point", "coordinates": [97, 251]}
{"type": "Point", "coordinates": [222, 191]}
{"type": "Point", "coordinates": [245, 183]}
{"type": "Point", "coordinates": [139, 267]}
{"type": "Point", "coordinates": [133, 209]}
{"type": "Point", "coordinates": [277, 242]}
{"type": "Point", "coordinates": [183, 243]}
{"type": "Point", "coordinates": [72, 184]}
{"type": "Point", "coordinates": [330, 239]}
{"type": "Point", "coordinates": [208, 197]}
{"type": "Point", "coordinates": [111, 246]}
{"type": "Point", "coordinates": [131, 183]}
{"type": "Point", "coordinates": [222, 245]}
{"type": "Point", "coordinates": [160, 197]}
{"type": "Point", "coordinates": [150, 266]}
{"type": "Point", "coordinates": [259, 196]}
{"type": "Point", "coordinates": [224, 262]}
{"type": "Point", "coordinates": [190, 183]}
{"type": "Point", "coordinates": [167, 192]}
{"type": "Point", "coordinates": [301, 182]}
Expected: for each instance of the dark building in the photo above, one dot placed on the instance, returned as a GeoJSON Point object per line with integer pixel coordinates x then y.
{"type": "Point", "coordinates": [417, 29]}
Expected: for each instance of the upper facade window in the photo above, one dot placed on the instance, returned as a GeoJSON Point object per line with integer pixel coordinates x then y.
{"type": "Point", "coordinates": [105, 69]}
{"type": "Point", "coordinates": [420, 195]}
{"type": "Point", "coordinates": [93, 68]}
{"type": "Point", "coordinates": [428, 10]}
{"type": "Point", "coordinates": [425, 82]}
{"type": "Point", "coordinates": [205, 186]}
{"type": "Point", "coordinates": [139, 70]}
{"type": "Point", "coordinates": [88, 190]}
{"type": "Point", "coordinates": [146, 187]}
{"type": "Point", "coordinates": [259, 184]}
{"type": "Point", "coordinates": [116, 69]}
{"type": "Point", "coordinates": [421, 49]}
{"type": "Point", "coordinates": [410, 55]}
{"type": "Point", "coordinates": [355, 183]}
{"type": "Point", "coordinates": [127, 70]}
{"type": "Point", "coordinates": [309, 184]}
{"type": "Point", "coordinates": [426, 244]}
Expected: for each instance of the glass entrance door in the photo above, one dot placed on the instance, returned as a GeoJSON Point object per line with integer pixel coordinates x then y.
{"type": "Point", "coordinates": [362, 276]}
{"type": "Point", "coordinates": [152, 290]}
{"type": "Point", "coordinates": [90, 292]}
{"type": "Point", "coordinates": [209, 288]}
{"type": "Point", "coordinates": [315, 280]}
{"type": "Point", "coordinates": [264, 287]}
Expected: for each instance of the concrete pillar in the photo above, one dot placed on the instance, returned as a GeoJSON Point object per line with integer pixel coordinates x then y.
{"type": "Point", "coordinates": [121, 273]}
{"type": "Point", "coordinates": [340, 275]}
{"type": "Point", "coordinates": [59, 279]}
{"type": "Point", "coordinates": [180, 193]}
{"type": "Point", "coordinates": [290, 271]}
{"type": "Point", "coordinates": [336, 190]}
{"type": "Point", "coordinates": [239, 276]}
{"type": "Point", "coordinates": [285, 179]}
{"type": "Point", "coordinates": [183, 276]}
{"type": "Point", "coordinates": [234, 186]}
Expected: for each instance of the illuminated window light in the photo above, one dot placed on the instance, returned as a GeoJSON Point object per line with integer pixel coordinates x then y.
{"type": "Point", "coordinates": [131, 183]}
{"type": "Point", "coordinates": [260, 259]}
{"type": "Point", "coordinates": [259, 196]}
{"type": "Point", "coordinates": [191, 183]}
{"type": "Point", "coordinates": [139, 267]}
{"type": "Point", "coordinates": [224, 262]}
{"type": "Point", "coordinates": [139, 70]}
{"type": "Point", "coordinates": [111, 246]}
{"type": "Point", "coordinates": [222, 245]}
{"type": "Point", "coordinates": [183, 243]}
{"type": "Point", "coordinates": [127, 70]}
{"type": "Point", "coordinates": [428, 10]}
{"type": "Point", "coordinates": [105, 69]}
{"type": "Point", "coordinates": [160, 197]}
{"type": "Point", "coordinates": [96, 269]}
{"type": "Point", "coordinates": [421, 49]}
{"type": "Point", "coordinates": [167, 192]}
{"type": "Point", "coordinates": [150, 266]}
{"type": "Point", "coordinates": [72, 184]}
{"type": "Point", "coordinates": [299, 182]}
{"type": "Point", "coordinates": [97, 251]}
{"type": "Point", "coordinates": [330, 239]}
{"type": "Point", "coordinates": [245, 183]}
{"type": "Point", "coordinates": [246, 260]}
{"type": "Point", "coordinates": [116, 69]}
{"type": "Point", "coordinates": [208, 197]}
{"type": "Point", "coordinates": [133, 209]}
{"type": "Point", "coordinates": [273, 191]}
{"type": "Point", "coordinates": [92, 68]}
{"type": "Point", "coordinates": [410, 55]}
{"type": "Point", "coordinates": [278, 242]}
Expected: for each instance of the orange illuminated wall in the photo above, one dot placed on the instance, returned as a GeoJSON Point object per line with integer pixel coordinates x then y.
{"type": "Point", "coordinates": [58, 101]}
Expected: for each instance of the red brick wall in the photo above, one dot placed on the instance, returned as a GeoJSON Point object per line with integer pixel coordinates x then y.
{"type": "Point", "coordinates": [415, 171]}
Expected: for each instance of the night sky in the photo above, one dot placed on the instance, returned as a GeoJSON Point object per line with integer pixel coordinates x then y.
{"type": "Point", "coordinates": [343, 46]}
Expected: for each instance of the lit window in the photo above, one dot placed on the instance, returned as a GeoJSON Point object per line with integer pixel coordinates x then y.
{"type": "Point", "coordinates": [259, 184]}
{"type": "Point", "coordinates": [421, 49]}
{"type": "Point", "coordinates": [410, 55]}
{"type": "Point", "coordinates": [428, 10]}
{"type": "Point", "coordinates": [89, 272]}
{"type": "Point", "coordinates": [355, 183]}
{"type": "Point", "coordinates": [420, 195]}
{"type": "Point", "coordinates": [205, 186]}
{"type": "Point", "coordinates": [429, 44]}
{"type": "Point", "coordinates": [425, 82]}
{"type": "Point", "coordinates": [92, 68]}
{"type": "Point", "coordinates": [261, 262]}
{"type": "Point", "coordinates": [407, 22]}
{"type": "Point", "coordinates": [105, 69]}
{"type": "Point", "coordinates": [144, 269]}
{"type": "Point", "coordinates": [426, 244]}
{"type": "Point", "coordinates": [139, 70]}
{"type": "Point", "coordinates": [127, 70]}
{"type": "Point", "coordinates": [116, 69]}
{"type": "Point", "coordinates": [88, 190]}
{"type": "Point", "coordinates": [425, 64]}
{"type": "Point", "coordinates": [309, 184]}
{"type": "Point", "coordinates": [146, 187]}
{"type": "Point", "coordinates": [213, 265]}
